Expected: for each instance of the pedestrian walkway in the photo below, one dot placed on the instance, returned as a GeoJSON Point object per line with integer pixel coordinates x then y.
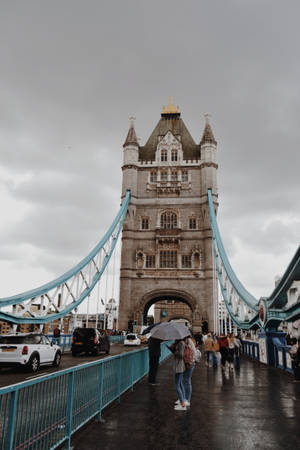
{"type": "Point", "coordinates": [255, 408]}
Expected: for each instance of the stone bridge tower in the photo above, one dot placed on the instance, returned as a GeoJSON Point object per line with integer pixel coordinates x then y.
{"type": "Point", "coordinates": [166, 240]}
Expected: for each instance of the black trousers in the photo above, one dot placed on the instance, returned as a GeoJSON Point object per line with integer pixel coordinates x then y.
{"type": "Point", "coordinates": [153, 366]}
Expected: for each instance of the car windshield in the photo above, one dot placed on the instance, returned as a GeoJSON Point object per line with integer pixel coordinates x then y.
{"type": "Point", "coordinates": [84, 332]}
{"type": "Point", "coordinates": [131, 337]}
{"type": "Point", "coordinates": [31, 339]}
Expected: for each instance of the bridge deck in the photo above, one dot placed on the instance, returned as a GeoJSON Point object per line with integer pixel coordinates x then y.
{"type": "Point", "coordinates": [257, 408]}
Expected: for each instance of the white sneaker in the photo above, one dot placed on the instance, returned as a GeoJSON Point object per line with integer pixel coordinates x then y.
{"type": "Point", "coordinates": [180, 408]}
{"type": "Point", "coordinates": [187, 403]}
{"type": "Point", "coordinates": [177, 402]}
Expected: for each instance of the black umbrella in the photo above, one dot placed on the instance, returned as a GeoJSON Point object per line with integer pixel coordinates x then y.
{"type": "Point", "coordinates": [148, 329]}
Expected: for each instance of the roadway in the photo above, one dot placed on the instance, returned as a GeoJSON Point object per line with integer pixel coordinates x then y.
{"type": "Point", "coordinates": [17, 375]}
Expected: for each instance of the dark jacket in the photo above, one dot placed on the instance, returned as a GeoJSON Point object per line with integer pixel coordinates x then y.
{"type": "Point", "coordinates": [154, 346]}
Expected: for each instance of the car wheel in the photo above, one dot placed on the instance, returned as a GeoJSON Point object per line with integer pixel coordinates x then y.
{"type": "Point", "coordinates": [34, 363]}
{"type": "Point", "coordinates": [57, 358]}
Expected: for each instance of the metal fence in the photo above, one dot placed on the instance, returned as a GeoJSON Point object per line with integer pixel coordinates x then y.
{"type": "Point", "coordinates": [281, 357]}
{"type": "Point", "coordinates": [45, 412]}
{"type": "Point", "coordinates": [251, 348]}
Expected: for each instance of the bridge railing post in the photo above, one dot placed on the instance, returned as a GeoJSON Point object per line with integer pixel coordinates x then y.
{"type": "Point", "coordinates": [12, 419]}
{"type": "Point", "coordinates": [69, 415]}
{"type": "Point", "coordinates": [100, 392]}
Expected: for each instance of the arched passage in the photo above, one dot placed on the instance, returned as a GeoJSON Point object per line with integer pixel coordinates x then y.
{"type": "Point", "coordinates": [171, 299]}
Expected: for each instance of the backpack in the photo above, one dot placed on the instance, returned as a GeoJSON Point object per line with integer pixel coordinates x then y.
{"type": "Point", "coordinates": [197, 355]}
{"type": "Point", "coordinates": [188, 355]}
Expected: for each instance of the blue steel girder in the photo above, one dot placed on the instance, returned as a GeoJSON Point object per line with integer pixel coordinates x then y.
{"type": "Point", "coordinates": [278, 298]}
{"type": "Point", "coordinates": [241, 305]}
{"type": "Point", "coordinates": [57, 298]}
{"type": "Point", "coordinates": [234, 293]}
{"type": "Point", "coordinates": [243, 324]}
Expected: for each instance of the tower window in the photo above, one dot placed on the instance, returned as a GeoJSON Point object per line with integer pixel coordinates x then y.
{"type": "Point", "coordinates": [164, 176]}
{"type": "Point", "coordinates": [153, 177]}
{"type": "Point", "coordinates": [192, 223]}
{"type": "Point", "coordinates": [168, 259]}
{"type": "Point", "coordinates": [150, 261]}
{"type": "Point", "coordinates": [186, 261]}
{"type": "Point", "coordinates": [174, 176]}
{"type": "Point", "coordinates": [184, 175]}
{"type": "Point", "coordinates": [168, 220]}
{"type": "Point", "coordinates": [145, 223]}
{"type": "Point", "coordinates": [164, 155]}
{"type": "Point", "coordinates": [174, 155]}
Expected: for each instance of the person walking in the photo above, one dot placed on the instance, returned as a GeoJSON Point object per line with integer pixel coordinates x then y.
{"type": "Point", "coordinates": [231, 350]}
{"type": "Point", "coordinates": [189, 368]}
{"type": "Point", "coordinates": [223, 344]}
{"type": "Point", "coordinates": [296, 362]}
{"type": "Point", "coordinates": [154, 355]}
{"type": "Point", "coordinates": [215, 351]}
{"type": "Point", "coordinates": [179, 368]}
{"type": "Point", "coordinates": [56, 335]}
{"type": "Point", "coordinates": [208, 348]}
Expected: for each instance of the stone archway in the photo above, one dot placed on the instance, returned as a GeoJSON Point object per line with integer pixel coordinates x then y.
{"type": "Point", "coordinates": [155, 296]}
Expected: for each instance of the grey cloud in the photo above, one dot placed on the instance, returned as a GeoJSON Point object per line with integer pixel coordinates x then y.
{"type": "Point", "coordinates": [71, 75]}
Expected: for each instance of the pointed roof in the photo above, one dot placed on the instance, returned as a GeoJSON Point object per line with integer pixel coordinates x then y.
{"type": "Point", "coordinates": [208, 136]}
{"type": "Point", "coordinates": [170, 121]}
{"type": "Point", "coordinates": [131, 136]}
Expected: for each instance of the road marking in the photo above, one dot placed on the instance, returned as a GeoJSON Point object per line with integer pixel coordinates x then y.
{"type": "Point", "coordinates": [35, 376]}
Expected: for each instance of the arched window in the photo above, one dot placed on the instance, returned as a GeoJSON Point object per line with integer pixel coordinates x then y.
{"type": "Point", "coordinates": [168, 220]}
{"type": "Point", "coordinates": [164, 176]}
{"type": "Point", "coordinates": [164, 155]}
{"type": "Point", "coordinates": [173, 175]}
{"type": "Point", "coordinates": [153, 176]}
{"type": "Point", "coordinates": [184, 175]}
{"type": "Point", "coordinates": [174, 155]}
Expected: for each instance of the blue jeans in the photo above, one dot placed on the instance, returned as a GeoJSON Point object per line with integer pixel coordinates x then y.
{"type": "Point", "coordinates": [179, 386]}
{"type": "Point", "coordinates": [214, 359]}
{"type": "Point", "coordinates": [187, 382]}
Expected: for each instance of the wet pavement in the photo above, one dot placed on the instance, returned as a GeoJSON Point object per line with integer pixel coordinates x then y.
{"type": "Point", "coordinates": [255, 408]}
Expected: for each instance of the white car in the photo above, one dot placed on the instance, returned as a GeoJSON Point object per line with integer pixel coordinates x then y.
{"type": "Point", "coordinates": [132, 339]}
{"type": "Point", "coordinates": [30, 350]}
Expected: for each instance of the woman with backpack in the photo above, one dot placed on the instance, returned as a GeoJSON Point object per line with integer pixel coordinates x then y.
{"type": "Point", "coordinates": [189, 357]}
{"type": "Point", "coordinates": [185, 354]}
{"type": "Point", "coordinates": [178, 350]}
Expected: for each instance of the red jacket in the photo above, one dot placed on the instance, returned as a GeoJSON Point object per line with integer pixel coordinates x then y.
{"type": "Point", "coordinates": [223, 342]}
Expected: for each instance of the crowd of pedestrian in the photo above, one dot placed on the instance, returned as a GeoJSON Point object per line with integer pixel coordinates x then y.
{"type": "Point", "coordinates": [223, 350]}
{"type": "Point", "coordinates": [226, 348]}
{"type": "Point", "coordinates": [295, 357]}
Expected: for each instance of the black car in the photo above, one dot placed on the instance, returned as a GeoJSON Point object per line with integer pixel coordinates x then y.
{"type": "Point", "coordinates": [90, 340]}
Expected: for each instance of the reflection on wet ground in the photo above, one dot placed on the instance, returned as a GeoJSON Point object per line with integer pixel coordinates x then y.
{"type": "Point", "coordinates": [255, 408]}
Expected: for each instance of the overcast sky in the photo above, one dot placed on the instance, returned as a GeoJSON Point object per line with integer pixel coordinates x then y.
{"type": "Point", "coordinates": [72, 73]}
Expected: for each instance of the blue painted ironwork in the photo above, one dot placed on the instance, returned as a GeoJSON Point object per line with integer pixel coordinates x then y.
{"type": "Point", "coordinates": [96, 262]}
{"type": "Point", "coordinates": [242, 307]}
{"type": "Point", "coordinates": [45, 412]}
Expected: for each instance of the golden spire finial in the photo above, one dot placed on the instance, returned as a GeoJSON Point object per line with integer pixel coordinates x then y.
{"type": "Point", "coordinates": [170, 109]}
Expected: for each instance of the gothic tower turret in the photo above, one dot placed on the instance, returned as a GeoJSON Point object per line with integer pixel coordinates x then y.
{"type": "Point", "coordinates": [208, 147]}
{"type": "Point", "coordinates": [130, 161]}
{"type": "Point", "coordinates": [166, 240]}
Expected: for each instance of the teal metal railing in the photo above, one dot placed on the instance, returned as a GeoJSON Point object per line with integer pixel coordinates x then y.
{"type": "Point", "coordinates": [44, 413]}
